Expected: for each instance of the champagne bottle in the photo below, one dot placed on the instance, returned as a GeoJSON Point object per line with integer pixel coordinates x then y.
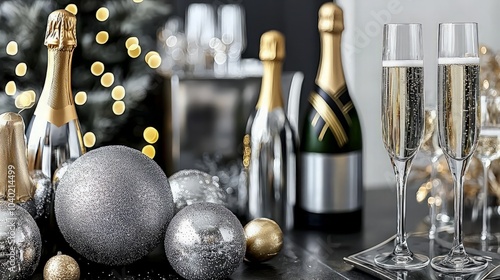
{"type": "Point", "coordinates": [330, 194]}
{"type": "Point", "coordinates": [270, 148]}
{"type": "Point", "coordinates": [54, 134]}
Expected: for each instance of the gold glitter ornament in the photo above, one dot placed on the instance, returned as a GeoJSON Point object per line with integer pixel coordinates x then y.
{"type": "Point", "coordinates": [264, 240]}
{"type": "Point", "coordinates": [61, 267]}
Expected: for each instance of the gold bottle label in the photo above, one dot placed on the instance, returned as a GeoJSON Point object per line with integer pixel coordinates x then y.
{"type": "Point", "coordinates": [16, 184]}
{"type": "Point", "coordinates": [272, 54]}
{"type": "Point", "coordinates": [56, 101]}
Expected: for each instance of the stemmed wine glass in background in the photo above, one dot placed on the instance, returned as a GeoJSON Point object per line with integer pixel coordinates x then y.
{"type": "Point", "coordinates": [200, 30]}
{"type": "Point", "coordinates": [438, 192]}
{"type": "Point", "coordinates": [488, 149]}
{"type": "Point", "coordinates": [458, 119]}
{"type": "Point", "coordinates": [233, 37]}
{"type": "Point", "coordinates": [402, 125]}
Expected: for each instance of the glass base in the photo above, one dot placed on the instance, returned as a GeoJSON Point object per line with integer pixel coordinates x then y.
{"type": "Point", "coordinates": [460, 264]}
{"type": "Point", "coordinates": [393, 262]}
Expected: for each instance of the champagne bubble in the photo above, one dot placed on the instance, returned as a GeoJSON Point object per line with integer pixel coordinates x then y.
{"type": "Point", "coordinates": [89, 139]}
{"type": "Point", "coordinates": [118, 93]}
{"type": "Point", "coordinates": [80, 98]}
{"type": "Point", "coordinates": [102, 37]}
{"type": "Point", "coordinates": [118, 108]}
{"type": "Point", "coordinates": [12, 48]}
{"type": "Point", "coordinates": [131, 41]}
{"type": "Point", "coordinates": [102, 14]}
{"type": "Point", "coordinates": [21, 69]}
{"type": "Point", "coordinates": [97, 68]}
{"type": "Point", "coordinates": [154, 61]}
{"type": "Point", "coordinates": [107, 79]}
{"type": "Point", "coordinates": [10, 88]}
{"type": "Point", "coordinates": [151, 135]}
{"type": "Point", "coordinates": [134, 51]}
{"type": "Point", "coordinates": [149, 151]}
{"type": "Point", "coordinates": [72, 8]}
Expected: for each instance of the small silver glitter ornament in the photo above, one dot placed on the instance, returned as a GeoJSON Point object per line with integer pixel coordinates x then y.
{"type": "Point", "coordinates": [43, 194]}
{"type": "Point", "coordinates": [113, 205]}
{"type": "Point", "coordinates": [205, 241]}
{"type": "Point", "coordinates": [194, 186]}
{"type": "Point", "coordinates": [20, 242]}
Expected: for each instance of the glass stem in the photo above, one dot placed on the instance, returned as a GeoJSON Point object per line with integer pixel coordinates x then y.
{"type": "Point", "coordinates": [434, 193]}
{"type": "Point", "coordinates": [457, 168]}
{"type": "Point", "coordinates": [401, 169]}
{"type": "Point", "coordinates": [486, 168]}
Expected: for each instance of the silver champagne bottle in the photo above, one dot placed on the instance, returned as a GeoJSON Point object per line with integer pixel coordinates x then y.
{"type": "Point", "coordinates": [270, 148]}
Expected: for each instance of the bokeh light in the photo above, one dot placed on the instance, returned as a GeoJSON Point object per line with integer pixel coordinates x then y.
{"type": "Point", "coordinates": [118, 93]}
{"type": "Point", "coordinates": [149, 151]}
{"type": "Point", "coordinates": [151, 135]}
{"type": "Point", "coordinates": [80, 98]}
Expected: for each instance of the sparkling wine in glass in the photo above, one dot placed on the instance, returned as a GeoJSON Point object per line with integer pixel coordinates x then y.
{"type": "Point", "coordinates": [488, 150]}
{"type": "Point", "coordinates": [402, 126]}
{"type": "Point", "coordinates": [458, 119]}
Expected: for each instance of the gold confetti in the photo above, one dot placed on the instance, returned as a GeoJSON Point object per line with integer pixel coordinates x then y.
{"type": "Point", "coordinates": [137, 1]}
{"type": "Point", "coordinates": [10, 88]}
{"type": "Point", "coordinates": [102, 14]}
{"type": "Point", "coordinates": [118, 107]}
{"type": "Point", "coordinates": [151, 135]}
{"type": "Point", "coordinates": [131, 41]}
{"type": "Point", "coordinates": [107, 79]}
{"type": "Point", "coordinates": [154, 61]}
{"type": "Point", "coordinates": [21, 69]}
{"type": "Point", "coordinates": [22, 101]}
{"type": "Point", "coordinates": [134, 51]}
{"type": "Point", "coordinates": [72, 8]}
{"type": "Point", "coordinates": [102, 37]}
{"type": "Point", "coordinates": [89, 139]}
{"type": "Point", "coordinates": [149, 151]}
{"type": "Point", "coordinates": [11, 48]}
{"type": "Point", "coordinates": [80, 98]}
{"type": "Point", "coordinates": [97, 68]}
{"type": "Point", "coordinates": [118, 93]}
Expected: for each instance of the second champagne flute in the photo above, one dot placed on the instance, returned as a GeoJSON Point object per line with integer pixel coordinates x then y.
{"type": "Point", "coordinates": [402, 125]}
{"type": "Point", "coordinates": [458, 119]}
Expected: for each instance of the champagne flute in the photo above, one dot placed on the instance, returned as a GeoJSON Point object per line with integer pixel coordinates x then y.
{"type": "Point", "coordinates": [458, 116]}
{"type": "Point", "coordinates": [402, 126]}
{"type": "Point", "coordinates": [488, 149]}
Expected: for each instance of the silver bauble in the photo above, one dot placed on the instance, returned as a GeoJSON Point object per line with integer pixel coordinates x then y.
{"type": "Point", "coordinates": [43, 194]}
{"type": "Point", "coordinates": [205, 241]}
{"type": "Point", "coordinates": [193, 186]}
{"type": "Point", "coordinates": [20, 242]}
{"type": "Point", "coordinates": [113, 205]}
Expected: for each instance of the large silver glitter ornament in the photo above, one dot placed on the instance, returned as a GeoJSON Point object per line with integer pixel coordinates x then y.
{"type": "Point", "coordinates": [193, 186]}
{"type": "Point", "coordinates": [205, 241]}
{"type": "Point", "coordinates": [113, 205]}
{"type": "Point", "coordinates": [20, 242]}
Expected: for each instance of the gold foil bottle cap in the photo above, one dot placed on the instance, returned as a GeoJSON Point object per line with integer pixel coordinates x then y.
{"type": "Point", "coordinates": [14, 174]}
{"type": "Point", "coordinates": [272, 46]}
{"type": "Point", "coordinates": [61, 30]}
{"type": "Point", "coordinates": [331, 18]}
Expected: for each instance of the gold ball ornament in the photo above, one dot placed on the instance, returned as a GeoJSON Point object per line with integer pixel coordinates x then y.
{"type": "Point", "coordinates": [61, 267]}
{"type": "Point", "coordinates": [264, 240]}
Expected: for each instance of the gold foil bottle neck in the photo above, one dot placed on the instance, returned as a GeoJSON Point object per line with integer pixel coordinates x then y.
{"type": "Point", "coordinates": [330, 77]}
{"type": "Point", "coordinates": [16, 184]}
{"type": "Point", "coordinates": [272, 54]}
{"type": "Point", "coordinates": [61, 30]}
{"type": "Point", "coordinates": [331, 18]}
{"type": "Point", "coordinates": [272, 46]}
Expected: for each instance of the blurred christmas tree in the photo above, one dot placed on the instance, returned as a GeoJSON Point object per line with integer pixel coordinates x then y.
{"type": "Point", "coordinates": [24, 21]}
